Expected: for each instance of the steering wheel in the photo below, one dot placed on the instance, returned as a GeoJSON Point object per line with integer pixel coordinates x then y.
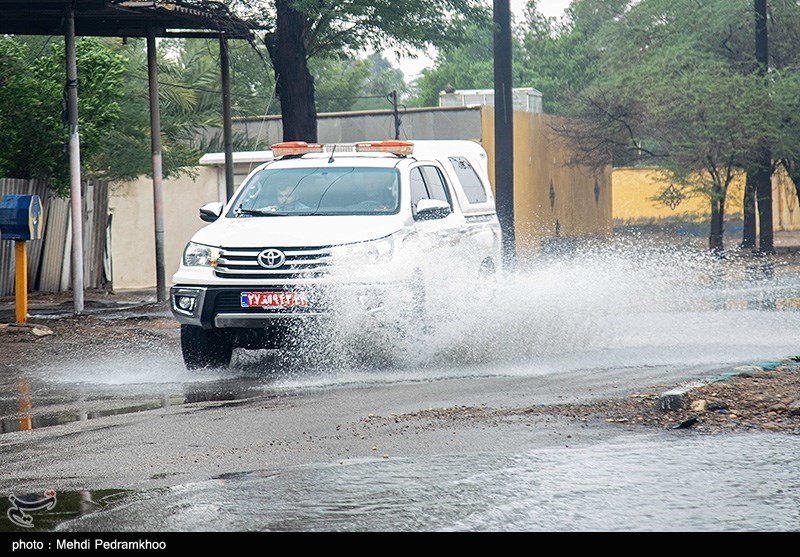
{"type": "Point", "coordinates": [370, 204]}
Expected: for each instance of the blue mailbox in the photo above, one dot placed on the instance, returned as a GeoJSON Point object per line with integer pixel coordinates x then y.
{"type": "Point", "coordinates": [21, 217]}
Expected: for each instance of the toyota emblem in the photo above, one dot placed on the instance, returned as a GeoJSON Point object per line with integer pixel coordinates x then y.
{"type": "Point", "coordinates": [271, 258]}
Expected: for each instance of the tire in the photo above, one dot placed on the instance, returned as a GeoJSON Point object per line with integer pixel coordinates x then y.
{"type": "Point", "coordinates": [205, 348]}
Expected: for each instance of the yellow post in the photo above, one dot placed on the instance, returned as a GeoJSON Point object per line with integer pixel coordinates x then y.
{"type": "Point", "coordinates": [21, 283]}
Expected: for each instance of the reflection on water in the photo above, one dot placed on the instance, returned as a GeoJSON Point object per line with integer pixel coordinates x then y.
{"type": "Point", "coordinates": [24, 404]}
{"type": "Point", "coordinates": [64, 506]}
{"type": "Point", "coordinates": [664, 481]}
{"type": "Point", "coordinates": [82, 409]}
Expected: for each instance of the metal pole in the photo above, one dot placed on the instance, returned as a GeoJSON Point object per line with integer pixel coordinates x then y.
{"type": "Point", "coordinates": [763, 177]}
{"type": "Point", "coordinates": [504, 128]}
{"type": "Point", "coordinates": [76, 202]}
{"type": "Point", "coordinates": [227, 126]}
{"type": "Point", "coordinates": [21, 281]}
{"type": "Point", "coordinates": [155, 143]}
{"type": "Point", "coordinates": [396, 113]}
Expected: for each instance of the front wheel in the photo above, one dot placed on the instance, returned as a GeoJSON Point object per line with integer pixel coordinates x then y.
{"type": "Point", "coordinates": [205, 348]}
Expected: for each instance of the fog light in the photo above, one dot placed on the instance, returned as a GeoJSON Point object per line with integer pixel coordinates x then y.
{"type": "Point", "coordinates": [185, 303]}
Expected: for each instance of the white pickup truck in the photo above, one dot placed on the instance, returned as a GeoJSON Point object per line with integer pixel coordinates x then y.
{"type": "Point", "coordinates": [324, 228]}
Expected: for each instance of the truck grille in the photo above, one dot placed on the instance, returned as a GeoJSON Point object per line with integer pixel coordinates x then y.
{"type": "Point", "coordinates": [300, 263]}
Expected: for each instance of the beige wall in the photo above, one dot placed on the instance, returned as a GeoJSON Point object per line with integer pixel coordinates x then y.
{"type": "Point", "coordinates": [786, 209]}
{"type": "Point", "coordinates": [540, 158]}
{"type": "Point", "coordinates": [132, 228]}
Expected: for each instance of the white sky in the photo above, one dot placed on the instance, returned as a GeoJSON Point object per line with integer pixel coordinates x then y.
{"type": "Point", "coordinates": [412, 67]}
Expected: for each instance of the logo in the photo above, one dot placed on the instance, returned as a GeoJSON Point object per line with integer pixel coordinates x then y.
{"type": "Point", "coordinates": [271, 258]}
{"type": "Point", "coordinates": [19, 505]}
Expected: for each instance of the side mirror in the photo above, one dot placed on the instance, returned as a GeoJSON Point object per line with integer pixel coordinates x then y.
{"type": "Point", "coordinates": [430, 209]}
{"type": "Point", "coordinates": [211, 211]}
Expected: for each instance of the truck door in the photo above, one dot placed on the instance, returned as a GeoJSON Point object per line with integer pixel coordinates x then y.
{"type": "Point", "coordinates": [439, 238]}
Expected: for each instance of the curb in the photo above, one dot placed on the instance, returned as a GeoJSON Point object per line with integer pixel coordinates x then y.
{"type": "Point", "coordinates": [674, 399]}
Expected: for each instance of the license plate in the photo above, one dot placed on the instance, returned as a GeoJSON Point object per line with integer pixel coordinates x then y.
{"type": "Point", "coordinates": [274, 300]}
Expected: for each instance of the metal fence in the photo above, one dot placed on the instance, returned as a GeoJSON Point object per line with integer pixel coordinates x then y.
{"type": "Point", "coordinates": [49, 258]}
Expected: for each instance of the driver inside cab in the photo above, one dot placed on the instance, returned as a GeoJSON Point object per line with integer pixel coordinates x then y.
{"type": "Point", "coordinates": [380, 192]}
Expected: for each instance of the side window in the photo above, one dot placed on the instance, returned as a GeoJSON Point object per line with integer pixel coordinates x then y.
{"type": "Point", "coordinates": [435, 182]}
{"type": "Point", "coordinates": [473, 187]}
{"type": "Point", "coordinates": [418, 190]}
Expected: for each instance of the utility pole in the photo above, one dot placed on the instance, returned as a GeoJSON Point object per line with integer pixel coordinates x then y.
{"type": "Point", "coordinates": [76, 200]}
{"type": "Point", "coordinates": [227, 126]}
{"type": "Point", "coordinates": [504, 128]}
{"type": "Point", "coordinates": [396, 113]}
{"type": "Point", "coordinates": [155, 144]}
{"type": "Point", "coordinates": [763, 171]}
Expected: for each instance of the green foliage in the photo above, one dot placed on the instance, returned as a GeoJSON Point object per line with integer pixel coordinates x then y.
{"type": "Point", "coordinates": [353, 25]}
{"type": "Point", "coordinates": [190, 103]}
{"type": "Point", "coordinates": [562, 57]}
{"type": "Point", "coordinates": [331, 28]}
{"type": "Point", "coordinates": [28, 119]}
{"type": "Point", "coordinates": [468, 66]}
{"type": "Point", "coordinates": [32, 124]}
{"type": "Point", "coordinates": [382, 79]}
{"type": "Point", "coordinates": [681, 77]}
{"type": "Point", "coordinates": [338, 81]}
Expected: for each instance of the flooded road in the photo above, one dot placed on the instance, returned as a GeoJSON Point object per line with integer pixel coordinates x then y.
{"type": "Point", "coordinates": [285, 441]}
{"type": "Point", "coordinates": [650, 482]}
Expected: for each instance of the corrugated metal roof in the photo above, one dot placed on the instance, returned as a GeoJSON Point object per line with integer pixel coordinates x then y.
{"type": "Point", "coordinates": [119, 18]}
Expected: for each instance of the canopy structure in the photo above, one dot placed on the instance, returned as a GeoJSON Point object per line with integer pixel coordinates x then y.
{"type": "Point", "coordinates": [150, 19]}
{"type": "Point", "coordinates": [121, 18]}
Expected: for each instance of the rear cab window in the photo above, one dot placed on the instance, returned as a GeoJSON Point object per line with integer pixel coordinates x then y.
{"type": "Point", "coordinates": [470, 182]}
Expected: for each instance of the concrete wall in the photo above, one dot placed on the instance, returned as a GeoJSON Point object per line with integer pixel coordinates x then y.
{"type": "Point", "coordinates": [636, 192]}
{"type": "Point", "coordinates": [580, 202]}
{"type": "Point", "coordinates": [457, 122]}
{"type": "Point", "coordinates": [132, 228]}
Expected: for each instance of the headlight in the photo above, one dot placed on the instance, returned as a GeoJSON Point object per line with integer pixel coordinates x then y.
{"type": "Point", "coordinates": [198, 255]}
{"type": "Point", "coordinates": [365, 253]}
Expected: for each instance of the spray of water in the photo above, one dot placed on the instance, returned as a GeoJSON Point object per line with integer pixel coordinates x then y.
{"type": "Point", "coordinates": [653, 303]}
{"type": "Point", "coordinates": [617, 304]}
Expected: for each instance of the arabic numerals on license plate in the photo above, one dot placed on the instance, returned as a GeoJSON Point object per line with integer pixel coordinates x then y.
{"type": "Point", "coordinates": [273, 299]}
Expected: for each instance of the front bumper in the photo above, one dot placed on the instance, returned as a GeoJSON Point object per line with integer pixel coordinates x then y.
{"type": "Point", "coordinates": [219, 307]}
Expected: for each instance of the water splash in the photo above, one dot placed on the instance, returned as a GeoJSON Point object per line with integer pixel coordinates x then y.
{"type": "Point", "coordinates": [647, 302]}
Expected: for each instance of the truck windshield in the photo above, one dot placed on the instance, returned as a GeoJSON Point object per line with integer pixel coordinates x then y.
{"type": "Point", "coordinates": [319, 191]}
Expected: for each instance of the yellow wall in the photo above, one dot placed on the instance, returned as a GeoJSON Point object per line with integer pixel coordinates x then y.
{"type": "Point", "coordinates": [540, 158]}
{"type": "Point", "coordinates": [635, 192]}
{"type": "Point", "coordinates": [132, 229]}
{"type": "Point", "coordinates": [785, 208]}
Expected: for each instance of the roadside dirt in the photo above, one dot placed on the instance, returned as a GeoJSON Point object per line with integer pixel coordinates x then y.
{"type": "Point", "coordinates": [749, 401]}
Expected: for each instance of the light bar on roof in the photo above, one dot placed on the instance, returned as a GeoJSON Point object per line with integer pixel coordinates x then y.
{"type": "Point", "coordinates": [295, 148]}
{"type": "Point", "coordinates": [399, 148]}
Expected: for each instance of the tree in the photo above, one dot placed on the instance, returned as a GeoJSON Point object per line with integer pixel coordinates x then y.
{"type": "Point", "coordinates": [382, 79]}
{"type": "Point", "coordinates": [189, 99]}
{"type": "Point", "coordinates": [32, 129]}
{"type": "Point", "coordinates": [678, 81]}
{"type": "Point", "coordinates": [469, 65]}
{"type": "Point", "coordinates": [563, 57]}
{"type": "Point", "coordinates": [298, 30]}
{"type": "Point", "coordinates": [340, 80]}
